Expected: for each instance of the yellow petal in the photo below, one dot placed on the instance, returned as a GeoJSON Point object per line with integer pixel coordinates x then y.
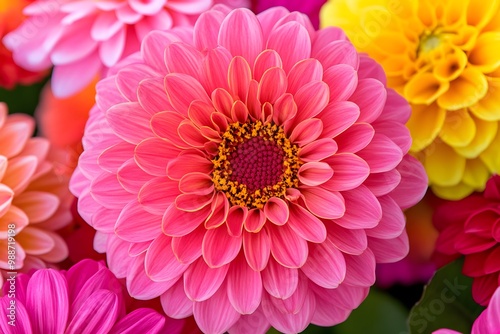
{"type": "Point", "coordinates": [464, 91]}
{"type": "Point", "coordinates": [476, 174]}
{"type": "Point", "coordinates": [454, 193]}
{"type": "Point", "coordinates": [455, 13]}
{"type": "Point", "coordinates": [485, 133]}
{"type": "Point", "coordinates": [465, 38]}
{"type": "Point", "coordinates": [450, 67]}
{"type": "Point", "coordinates": [427, 14]}
{"type": "Point", "coordinates": [443, 165]}
{"type": "Point", "coordinates": [491, 156]}
{"type": "Point", "coordinates": [488, 108]}
{"type": "Point", "coordinates": [480, 12]}
{"type": "Point", "coordinates": [424, 88]}
{"type": "Point", "coordinates": [425, 124]}
{"type": "Point", "coordinates": [458, 129]}
{"type": "Point", "coordinates": [485, 54]}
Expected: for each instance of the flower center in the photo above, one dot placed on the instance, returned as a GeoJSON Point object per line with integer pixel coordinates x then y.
{"type": "Point", "coordinates": [254, 163]}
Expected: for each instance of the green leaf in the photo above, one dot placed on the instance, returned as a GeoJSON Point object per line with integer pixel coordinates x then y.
{"type": "Point", "coordinates": [23, 99]}
{"type": "Point", "coordinates": [379, 313]}
{"type": "Point", "coordinates": [446, 303]}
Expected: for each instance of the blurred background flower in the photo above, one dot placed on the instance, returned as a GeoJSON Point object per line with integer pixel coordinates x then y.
{"type": "Point", "coordinates": [442, 56]}
{"type": "Point", "coordinates": [33, 196]}
{"type": "Point", "coordinates": [84, 38]}
{"type": "Point", "coordinates": [10, 73]}
{"type": "Point", "coordinates": [201, 195]}
{"type": "Point", "coordinates": [471, 227]}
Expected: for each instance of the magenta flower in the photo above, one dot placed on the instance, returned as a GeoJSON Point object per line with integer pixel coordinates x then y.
{"type": "Point", "coordinates": [310, 8]}
{"type": "Point", "coordinates": [81, 38]}
{"type": "Point", "coordinates": [488, 321]}
{"type": "Point", "coordinates": [86, 299]}
{"type": "Point", "coordinates": [251, 172]}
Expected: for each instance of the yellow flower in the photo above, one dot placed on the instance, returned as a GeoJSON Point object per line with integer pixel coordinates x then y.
{"type": "Point", "coordinates": [443, 56]}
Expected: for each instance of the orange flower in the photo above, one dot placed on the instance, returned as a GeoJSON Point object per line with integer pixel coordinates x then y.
{"type": "Point", "coordinates": [34, 199]}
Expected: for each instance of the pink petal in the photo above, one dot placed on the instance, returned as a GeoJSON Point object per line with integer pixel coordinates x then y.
{"type": "Point", "coordinates": [257, 247]}
{"type": "Point", "coordinates": [19, 172]}
{"type": "Point", "coordinates": [355, 138]}
{"type": "Point", "coordinates": [35, 241]}
{"type": "Point", "coordinates": [196, 183]}
{"type": "Point", "coordinates": [152, 96]}
{"type": "Point", "coordinates": [236, 217]}
{"type": "Point", "coordinates": [15, 135]}
{"type": "Point", "coordinates": [175, 303]}
{"type": "Point", "coordinates": [381, 154]}
{"type": "Point", "coordinates": [314, 173]}
{"type": "Point", "coordinates": [141, 320]}
{"type": "Point", "coordinates": [183, 58]}
{"type": "Point", "coordinates": [199, 113]}
{"type": "Point", "coordinates": [396, 108]}
{"type": "Point", "coordinates": [337, 117]}
{"type": "Point", "coordinates": [239, 77]}
{"type": "Point", "coordinates": [219, 247]}
{"type": "Point", "coordinates": [389, 250]}
{"type": "Point", "coordinates": [392, 223]}
{"type": "Point", "coordinates": [219, 321]}
{"type": "Point", "coordinates": [158, 194]}
{"type": "Point", "coordinates": [129, 78]}
{"type": "Point", "coordinates": [251, 323]}
{"type": "Point", "coordinates": [383, 183]}
{"type": "Point", "coordinates": [292, 50]}
{"type": "Point", "coordinates": [153, 49]}
{"type": "Point", "coordinates": [281, 239]}
{"type": "Point", "coordinates": [38, 205]}
{"type": "Point", "coordinates": [255, 220]}
{"type": "Point", "coordinates": [136, 225]}
{"type": "Point", "coordinates": [129, 122]}
{"type": "Point", "coordinates": [370, 96]}
{"type": "Point", "coordinates": [325, 265]}
{"type": "Point", "coordinates": [349, 172]}
{"type": "Point", "coordinates": [220, 210]}
{"type": "Point", "coordinates": [192, 202]}
{"type": "Point", "coordinates": [306, 131]}
{"type": "Point", "coordinates": [323, 203]}
{"type": "Point", "coordinates": [342, 80]}
{"type": "Point", "coordinates": [215, 69]}
{"type": "Point", "coordinates": [6, 196]}
{"type": "Point", "coordinates": [360, 269]}
{"type": "Point", "coordinates": [71, 78]}
{"type": "Point", "coordinates": [272, 85]}
{"type": "Point", "coordinates": [98, 314]}
{"type": "Point", "coordinates": [276, 211]}
{"type": "Point", "coordinates": [266, 60]}
{"type": "Point", "coordinates": [244, 286]}
{"type": "Point", "coordinates": [187, 163]}
{"type": "Point", "coordinates": [105, 26]}
{"type": "Point", "coordinates": [279, 281]}
{"type": "Point", "coordinates": [311, 99]}
{"type": "Point", "coordinates": [328, 313]}
{"type": "Point", "coordinates": [369, 68]}
{"type": "Point", "coordinates": [396, 132]}
{"type": "Point", "coordinates": [182, 89]}
{"type": "Point", "coordinates": [238, 23]}
{"type": "Point", "coordinates": [191, 135]}
{"type": "Point", "coordinates": [23, 325]}
{"type": "Point", "coordinates": [413, 183]}
{"type": "Point", "coordinates": [304, 72]}
{"type": "Point", "coordinates": [206, 30]}
{"type": "Point", "coordinates": [338, 52]}
{"type": "Point", "coordinates": [140, 286]}
{"type": "Point", "coordinates": [201, 281]}
{"type": "Point", "coordinates": [107, 95]}
{"type": "Point", "coordinates": [160, 262]}
{"type": "Point", "coordinates": [325, 36]}
{"type": "Point", "coordinates": [188, 248]}
{"type": "Point", "coordinates": [362, 209]}
{"type": "Point", "coordinates": [285, 109]}
{"type": "Point", "coordinates": [239, 112]}
{"type": "Point", "coordinates": [132, 177]}
{"type": "Point", "coordinates": [48, 315]}
{"type": "Point", "coordinates": [318, 150]}
{"type": "Point", "coordinates": [112, 158]}
{"type": "Point", "coordinates": [345, 296]}
{"type": "Point", "coordinates": [111, 50]}
{"type": "Point", "coordinates": [178, 223]}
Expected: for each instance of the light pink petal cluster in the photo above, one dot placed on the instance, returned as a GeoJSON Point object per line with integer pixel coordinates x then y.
{"type": "Point", "coordinates": [289, 231]}
{"type": "Point", "coordinates": [86, 299]}
{"type": "Point", "coordinates": [34, 198]}
{"type": "Point", "coordinates": [81, 38]}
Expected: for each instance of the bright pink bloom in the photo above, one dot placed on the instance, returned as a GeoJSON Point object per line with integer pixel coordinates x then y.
{"type": "Point", "coordinates": [87, 298]}
{"type": "Point", "coordinates": [310, 7]}
{"type": "Point", "coordinates": [81, 38]}
{"type": "Point", "coordinates": [471, 227]}
{"type": "Point", "coordinates": [488, 321]}
{"type": "Point", "coordinates": [251, 172]}
{"type": "Point", "coordinates": [34, 198]}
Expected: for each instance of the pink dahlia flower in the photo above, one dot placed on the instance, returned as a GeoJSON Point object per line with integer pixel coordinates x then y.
{"type": "Point", "coordinates": [87, 298]}
{"type": "Point", "coordinates": [471, 227]}
{"type": "Point", "coordinates": [81, 38]}
{"type": "Point", "coordinates": [488, 321]}
{"type": "Point", "coordinates": [34, 198]}
{"type": "Point", "coordinates": [310, 8]}
{"type": "Point", "coordinates": [250, 171]}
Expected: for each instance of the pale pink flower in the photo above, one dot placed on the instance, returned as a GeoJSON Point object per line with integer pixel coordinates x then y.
{"type": "Point", "coordinates": [250, 172]}
{"type": "Point", "coordinates": [488, 321]}
{"type": "Point", "coordinates": [34, 198]}
{"type": "Point", "coordinates": [81, 38]}
{"type": "Point", "coordinates": [87, 298]}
